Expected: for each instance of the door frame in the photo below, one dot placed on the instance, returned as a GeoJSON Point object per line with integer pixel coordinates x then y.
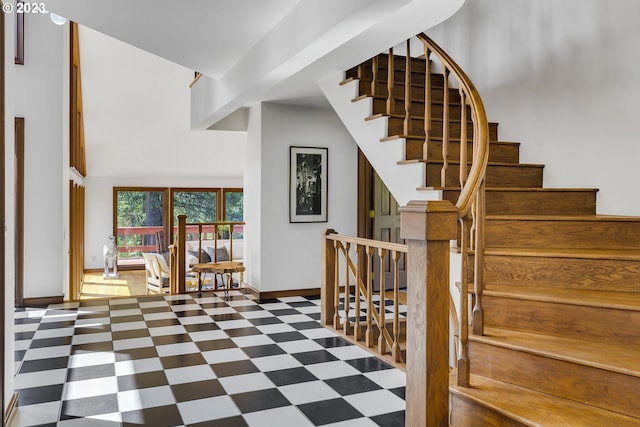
{"type": "Point", "coordinates": [365, 197]}
{"type": "Point", "coordinates": [19, 210]}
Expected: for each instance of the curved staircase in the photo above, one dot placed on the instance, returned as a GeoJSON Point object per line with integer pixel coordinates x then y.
{"type": "Point", "coordinates": [560, 343]}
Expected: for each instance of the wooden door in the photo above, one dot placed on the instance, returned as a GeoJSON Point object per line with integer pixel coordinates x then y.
{"type": "Point", "coordinates": [386, 227]}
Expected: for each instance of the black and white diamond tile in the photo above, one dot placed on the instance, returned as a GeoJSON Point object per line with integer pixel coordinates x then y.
{"type": "Point", "coordinates": [197, 361]}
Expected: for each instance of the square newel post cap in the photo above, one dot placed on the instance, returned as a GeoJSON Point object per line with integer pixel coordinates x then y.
{"type": "Point", "coordinates": [428, 220]}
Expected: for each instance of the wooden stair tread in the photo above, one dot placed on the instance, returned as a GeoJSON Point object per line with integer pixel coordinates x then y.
{"type": "Point", "coordinates": [616, 254]}
{"type": "Point", "coordinates": [456, 162]}
{"type": "Point", "coordinates": [520, 189]}
{"type": "Point", "coordinates": [609, 356]}
{"type": "Point", "coordinates": [535, 408]}
{"type": "Point", "coordinates": [599, 218]}
{"type": "Point", "coordinates": [593, 298]}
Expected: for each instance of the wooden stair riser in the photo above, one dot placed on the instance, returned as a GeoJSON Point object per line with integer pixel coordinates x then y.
{"type": "Point", "coordinates": [532, 203]}
{"type": "Point", "coordinates": [561, 378]}
{"type": "Point", "coordinates": [523, 176]}
{"type": "Point", "coordinates": [437, 96]}
{"type": "Point", "coordinates": [365, 70]}
{"type": "Point", "coordinates": [416, 108]}
{"type": "Point", "coordinates": [562, 234]}
{"type": "Point", "coordinates": [416, 128]}
{"type": "Point", "coordinates": [417, 92]}
{"type": "Point", "coordinates": [500, 153]}
{"type": "Point", "coordinates": [469, 413]}
{"type": "Point", "coordinates": [566, 273]}
{"type": "Point", "coordinates": [603, 324]}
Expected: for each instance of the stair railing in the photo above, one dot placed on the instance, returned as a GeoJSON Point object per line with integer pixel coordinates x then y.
{"type": "Point", "coordinates": [349, 266]}
{"type": "Point", "coordinates": [455, 92]}
{"type": "Point", "coordinates": [197, 231]}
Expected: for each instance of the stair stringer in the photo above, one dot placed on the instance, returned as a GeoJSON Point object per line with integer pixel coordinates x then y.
{"type": "Point", "coordinates": [402, 180]}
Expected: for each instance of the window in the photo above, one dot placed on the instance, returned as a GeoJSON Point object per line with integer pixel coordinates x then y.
{"type": "Point", "coordinates": [233, 205]}
{"type": "Point", "coordinates": [198, 205]}
{"type": "Point", "coordinates": [139, 214]}
{"type": "Point", "coordinates": [233, 210]}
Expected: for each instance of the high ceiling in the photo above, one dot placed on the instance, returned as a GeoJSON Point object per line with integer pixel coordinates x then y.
{"type": "Point", "coordinates": [250, 47]}
{"type": "Point", "coordinates": [135, 74]}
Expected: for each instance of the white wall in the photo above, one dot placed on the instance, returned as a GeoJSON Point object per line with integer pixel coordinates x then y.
{"type": "Point", "coordinates": [99, 205]}
{"type": "Point", "coordinates": [253, 197]}
{"type": "Point", "coordinates": [290, 253]}
{"type": "Point", "coordinates": [38, 93]}
{"type": "Point", "coordinates": [564, 79]}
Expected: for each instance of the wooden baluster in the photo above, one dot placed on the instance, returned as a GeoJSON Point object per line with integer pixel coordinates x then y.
{"type": "Point", "coordinates": [463, 355]}
{"type": "Point", "coordinates": [463, 137]}
{"type": "Point", "coordinates": [181, 264]}
{"type": "Point", "coordinates": [328, 293]}
{"type": "Point", "coordinates": [382, 347]}
{"type": "Point", "coordinates": [357, 329]}
{"type": "Point", "coordinates": [347, 291]}
{"type": "Point", "coordinates": [374, 75]}
{"type": "Point", "coordinates": [360, 72]}
{"type": "Point", "coordinates": [445, 132]}
{"type": "Point", "coordinates": [368, 336]}
{"type": "Point", "coordinates": [407, 91]}
{"type": "Point", "coordinates": [390, 83]}
{"type": "Point", "coordinates": [396, 351]}
{"type": "Point", "coordinates": [199, 242]}
{"type": "Point", "coordinates": [427, 103]}
{"type": "Point", "coordinates": [336, 300]}
{"type": "Point", "coordinates": [478, 285]}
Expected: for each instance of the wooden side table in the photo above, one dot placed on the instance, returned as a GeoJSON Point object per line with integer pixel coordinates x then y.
{"type": "Point", "coordinates": [226, 267]}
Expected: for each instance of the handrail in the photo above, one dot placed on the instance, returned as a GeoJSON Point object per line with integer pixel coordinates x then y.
{"type": "Point", "coordinates": [471, 201]}
{"type": "Point", "coordinates": [480, 128]}
{"type": "Point", "coordinates": [368, 242]}
{"type": "Point", "coordinates": [195, 79]}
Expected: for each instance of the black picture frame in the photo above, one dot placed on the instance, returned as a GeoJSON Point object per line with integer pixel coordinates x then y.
{"type": "Point", "coordinates": [308, 179]}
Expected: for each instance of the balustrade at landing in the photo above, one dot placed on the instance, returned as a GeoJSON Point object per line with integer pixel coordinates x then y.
{"type": "Point", "coordinates": [364, 309]}
{"type": "Point", "coordinates": [195, 234]}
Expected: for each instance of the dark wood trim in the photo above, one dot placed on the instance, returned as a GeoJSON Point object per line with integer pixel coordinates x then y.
{"type": "Point", "coordinates": [19, 44]}
{"type": "Point", "coordinates": [12, 410]}
{"type": "Point", "coordinates": [77, 155]}
{"type": "Point", "coordinates": [3, 299]}
{"type": "Point", "coordinates": [43, 301]}
{"type": "Point", "coordinates": [365, 196]}
{"type": "Point", "coordinates": [19, 209]}
{"type": "Point", "coordinates": [76, 238]}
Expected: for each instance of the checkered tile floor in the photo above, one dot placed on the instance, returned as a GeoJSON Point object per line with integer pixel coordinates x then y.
{"type": "Point", "coordinates": [197, 361]}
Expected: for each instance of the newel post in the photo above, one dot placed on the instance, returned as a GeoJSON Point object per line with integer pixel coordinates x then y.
{"type": "Point", "coordinates": [428, 228]}
{"type": "Point", "coordinates": [328, 284]}
{"type": "Point", "coordinates": [180, 256]}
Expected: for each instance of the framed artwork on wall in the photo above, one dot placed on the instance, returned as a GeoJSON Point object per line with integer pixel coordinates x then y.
{"type": "Point", "coordinates": [308, 184]}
